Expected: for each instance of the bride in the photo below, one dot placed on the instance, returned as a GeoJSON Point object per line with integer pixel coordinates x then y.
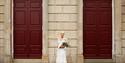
{"type": "Point", "coordinates": [61, 50]}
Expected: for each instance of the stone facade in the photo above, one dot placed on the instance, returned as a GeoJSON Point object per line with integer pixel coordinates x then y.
{"type": "Point", "coordinates": [61, 15]}
{"type": "Point", "coordinates": [2, 30]}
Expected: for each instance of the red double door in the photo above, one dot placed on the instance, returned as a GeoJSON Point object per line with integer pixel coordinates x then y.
{"type": "Point", "coordinates": [27, 28]}
{"type": "Point", "coordinates": [97, 29]}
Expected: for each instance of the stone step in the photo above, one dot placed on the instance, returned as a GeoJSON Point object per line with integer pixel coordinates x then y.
{"type": "Point", "coordinates": [27, 61]}
{"type": "Point", "coordinates": [99, 61]}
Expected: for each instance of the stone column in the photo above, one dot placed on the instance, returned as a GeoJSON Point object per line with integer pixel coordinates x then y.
{"type": "Point", "coordinates": [80, 56]}
{"type": "Point", "coordinates": [118, 42]}
{"type": "Point", "coordinates": [45, 32]}
{"type": "Point", "coordinates": [1, 31]}
{"type": "Point", "coordinates": [7, 32]}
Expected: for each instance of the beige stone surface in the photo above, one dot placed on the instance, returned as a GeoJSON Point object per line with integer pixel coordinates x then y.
{"type": "Point", "coordinates": [1, 42]}
{"type": "Point", "coordinates": [1, 26]}
{"type": "Point", "coordinates": [118, 47]}
{"type": "Point", "coordinates": [123, 18]}
{"type": "Point", "coordinates": [123, 43]}
{"type": "Point", "coordinates": [1, 2]}
{"type": "Point", "coordinates": [45, 59]}
{"type": "Point", "coordinates": [52, 51]}
{"type": "Point", "coordinates": [53, 43]}
{"type": "Point", "coordinates": [63, 26]}
{"type": "Point", "coordinates": [51, 1]}
{"type": "Point", "coordinates": [119, 59]}
{"type": "Point", "coordinates": [123, 2]}
{"type": "Point", "coordinates": [62, 9]}
{"type": "Point", "coordinates": [68, 34]}
{"type": "Point", "coordinates": [72, 2]}
{"type": "Point", "coordinates": [1, 9]}
{"type": "Point", "coordinates": [55, 9]}
{"type": "Point", "coordinates": [123, 34]}
{"type": "Point", "coordinates": [1, 17]}
{"type": "Point", "coordinates": [62, 2]}
{"type": "Point", "coordinates": [123, 26]}
{"type": "Point", "coordinates": [71, 51]}
{"type": "Point", "coordinates": [80, 58]}
{"type": "Point", "coordinates": [123, 50]}
{"type": "Point", "coordinates": [62, 17]}
{"type": "Point", "coordinates": [27, 61]}
{"type": "Point", "coordinates": [69, 9]}
{"type": "Point", "coordinates": [52, 58]}
{"type": "Point", "coordinates": [1, 34]}
{"type": "Point", "coordinates": [123, 9]}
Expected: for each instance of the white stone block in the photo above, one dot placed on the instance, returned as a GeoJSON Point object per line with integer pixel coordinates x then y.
{"type": "Point", "coordinates": [68, 34]}
{"type": "Point", "coordinates": [62, 2]}
{"type": "Point", "coordinates": [123, 18]}
{"type": "Point", "coordinates": [73, 17]}
{"type": "Point", "coordinates": [55, 9]}
{"type": "Point", "coordinates": [62, 17]}
{"type": "Point", "coordinates": [51, 51]}
{"type": "Point", "coordinates": [123, 26]}
{"type": "Point", "coordinates": [74, 2]}
{"type": "Point", "coordinates": [1, 42]}
{"type": "Point", "coordinates": [123, 34]}
{"type": "Point", "coordinates": [52, 58]}
{"type": "Point", "coordinates": [119, 59]}
{"type": "Point", "coordinates": [2, 2]}
{"type": "Point", "coordinates": [1, 9]}
{"type": "Point", "coordinates": [74, 58]}
{"type": "Point", "coordinates": [51, 1]}
{"type": "Point", "coordinates": [51, 17]}
{"type": "Point", "coordinates": [1, 26]}
{"type": "Point", "coordinates": [73, 43]}
{"type": "Point", "coordinates": [63, 26]}
{"type": "Point", "coordinates": [69, 9]}
{"type": "Point", "coordinates": [123, 43]}
{"type": "Point", "coordinates": [1, 34]}
{"type": "Point", "coordinates": [1, 17]}
{"type": "Point", "coordinates": [123, 51]}
{"type": "Point", "coordinates": [62, 9]}
{"type": "Point", "coordinates": [1, 54]}
{"type": "Point", "coordinates": [71, 51]}
{"type": "Point", "coordinates": [123, 2]}
{"type": "Point", "coordinates": [123, 9]}
{"type": "Point", "coordinates": [53, 43]}
{"type": "Point", "coordinates": [118, 47]}
{"type": "Point", "coordinates": [25, 60]}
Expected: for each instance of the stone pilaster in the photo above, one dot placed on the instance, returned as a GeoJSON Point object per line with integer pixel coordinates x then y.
{"type": "Point", "coordinates": [80, 58]}
{"type": "Point", "coordinates": [45, 59]}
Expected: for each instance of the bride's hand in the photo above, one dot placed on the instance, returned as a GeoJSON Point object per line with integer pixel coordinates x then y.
{"type": "Point", "coordinates": [61, 46]}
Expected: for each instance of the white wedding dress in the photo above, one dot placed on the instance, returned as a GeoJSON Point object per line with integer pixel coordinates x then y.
{"type": "Point", "coordinates": [61, 52]}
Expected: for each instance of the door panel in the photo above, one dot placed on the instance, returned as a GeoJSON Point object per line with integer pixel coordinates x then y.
{"type": "Point", "coordinates": [97, 29]}
{"type": "Point", "coordinates": [27, 29]}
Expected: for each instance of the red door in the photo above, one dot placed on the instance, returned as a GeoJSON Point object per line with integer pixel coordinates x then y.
{"type": "Point", "coordinates": [27, 28]}
{"type": "Point", "coordinates": [97, 29]}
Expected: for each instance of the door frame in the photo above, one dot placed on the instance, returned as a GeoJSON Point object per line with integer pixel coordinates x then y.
{"type": "Point", "coordinates": [44, 28]}
{"type": "Point", "coordinates": [112, 3]}
{"type": "Point", "coordinates": [116, 32]}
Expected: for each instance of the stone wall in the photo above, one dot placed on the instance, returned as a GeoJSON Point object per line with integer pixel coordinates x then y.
{"type": "Point", "coordinates": [123, 26]}
{"type": "Point", "coordinates": [123, 29]}
{"type": "Point", "coordinates": [63, 16]}
{"type": "Point", "coordinates": [1, 30]}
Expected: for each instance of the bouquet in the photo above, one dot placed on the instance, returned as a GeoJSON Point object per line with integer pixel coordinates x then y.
{"type": "Point", "coordinates": [65, 44]}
